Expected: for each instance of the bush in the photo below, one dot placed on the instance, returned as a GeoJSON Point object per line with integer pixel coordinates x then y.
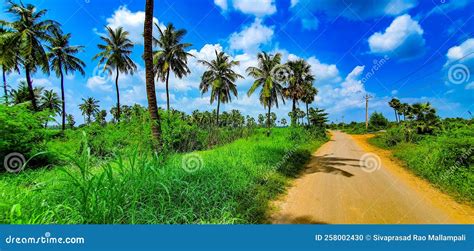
{"type": "Point", "coordinates": [377, 121]}
{"type": "Point", "coordinates": [22, 131]}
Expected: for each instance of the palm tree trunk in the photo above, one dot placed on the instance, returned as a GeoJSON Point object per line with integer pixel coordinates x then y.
{"type": "Point", "coordinates": [396, 116]}
{"type": "Point", "coordinates": [293, 113]}
{"type": "Point", "coordinates": [218, 106]}
{"type": "Point", "coordinates": [5, 85]}
{"type": "Point", "coordinates": [118, 94]}
{"type": "Point", "coordinates": [63, 99]}
{"type": "Point", "coordinates": [149, 74]}
{"type": "Point", "coordinates": [307, 113]}
{"type": "Point", "coordinates": [268, 117]}
{"type": "Point", "coordinates": [30, 88]}
{"type": "Point", "coordinates": [167, 90]}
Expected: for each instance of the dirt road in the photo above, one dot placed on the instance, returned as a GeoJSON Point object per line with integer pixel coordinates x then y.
{"type": "Point", "coordinates": [338, 188]}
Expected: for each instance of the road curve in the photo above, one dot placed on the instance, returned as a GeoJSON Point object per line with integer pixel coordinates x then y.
{"type": "Point", "coordinates": [336, 189]}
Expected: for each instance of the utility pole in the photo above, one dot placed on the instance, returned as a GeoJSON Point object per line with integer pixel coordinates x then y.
{"type": "Point", "coordinates": [367, 97]}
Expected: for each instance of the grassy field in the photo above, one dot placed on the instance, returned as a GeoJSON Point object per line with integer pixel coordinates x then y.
{"type": "Point", "coordinates": [445, 159]}
{"type": "Point", "coordinates": [229, 184]}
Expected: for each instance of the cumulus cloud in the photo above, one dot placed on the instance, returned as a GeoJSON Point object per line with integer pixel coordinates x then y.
{"type": "Point", "coordinates": [260, 9]}
{"type": "Point", "coordinates": [252, 37]}
{"type": "Point", "coordinates": [463, 52]}
{"type": "Point", "coordinates": [459, 65]}
{"type": "Point", "coordinates": [325, 73]}
{"type": "Point", "coordinates": [96, 83]}
{"type": "Point", "coordinates": [131, 21]}
{"type": "Point", "coordinates": [222, 4]}
{"type": "Point", "coordinates": [403, 38]}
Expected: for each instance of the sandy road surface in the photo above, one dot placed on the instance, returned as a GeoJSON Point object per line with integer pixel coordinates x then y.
{"type": "Point", "coordinates": [336, 189]}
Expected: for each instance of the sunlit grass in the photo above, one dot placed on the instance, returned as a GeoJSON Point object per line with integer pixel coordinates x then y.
{"type": "Point", "coordinates": [234, 185]}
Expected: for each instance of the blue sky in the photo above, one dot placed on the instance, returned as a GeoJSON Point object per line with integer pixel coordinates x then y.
{"type": "Point", "coordinates": [416, 51]}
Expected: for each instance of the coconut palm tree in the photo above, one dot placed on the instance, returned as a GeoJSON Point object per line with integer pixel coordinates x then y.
{"type": "Point", "coordinates": [29, 32]}
{"type": "Point", "coordinates": [150, 75]}
{"type": "Point", "coordinates": [115, 56]}
{"type": "Point", "coordinates": [113, 112]}
{"type": "Point", "coordinates": [271, 89]}
{"type": "Point", "coordinates": [9, 59]}
{"type": "Point", "coordinates": [396, 105]}
{"type": "Point", "coordinates": [171, 56]}
{"type": "Point", "coordinates": [300, 77]}
{"type": "Point", "coordinates": [50, 101]}
{"type": "Point", "coordinates": [70, 121]}
{"type": "Point", "coordinates": [220, 78]}
{"type": "Point", "coordinates": [309, 95]}
{"type": "Point", "coordinates": [22, 93]}
{"type": "Point", "coordinates": [100, 117]}
{"type": "Point", "coordinates": [89, 107]}
{"type": "Point", "coordinates": [63, 61]}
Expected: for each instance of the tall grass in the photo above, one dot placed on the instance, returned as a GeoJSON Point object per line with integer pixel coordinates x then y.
{"type": "Point", "coordinates": [445, 159]}
{"type": "Point", "coordinates": [233, 185]}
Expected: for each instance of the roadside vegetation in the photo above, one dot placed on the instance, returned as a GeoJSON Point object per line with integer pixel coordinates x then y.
{"type": "Point", "coordinates": [439, 150]}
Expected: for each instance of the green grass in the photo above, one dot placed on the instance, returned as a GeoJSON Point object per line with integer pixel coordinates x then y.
{"type": "Point", "coordinates": [235, 184]}
{"type": "Point", "coordinates": [446, 159]}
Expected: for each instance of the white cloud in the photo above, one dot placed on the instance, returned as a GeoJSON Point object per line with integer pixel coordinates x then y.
{"type": "Point", "coordinates": [403, 38]}
{"type": "Point", "coordinates": [250, 7]}
{"type": "Point", "coordinates": [131, 21]}
{"type": "Point", "coordinates": [252, 37]}
{"type": "Point", "coordinates": [262, 8]}
{"type": "Point", "coordinates": [324, 73]}
{"type": "Point", "coordinates": [42, 82]}
{"type": "Point", "coordinates": [96, 83]}
{"type": "Point", "coordinates": [463, 52]}
{"type": "Point", "coordinates": [222, 4]}
{"type": "Point", "coordinates": [459, 65]}
{"type": "Point", "coordinates": [395, 7]}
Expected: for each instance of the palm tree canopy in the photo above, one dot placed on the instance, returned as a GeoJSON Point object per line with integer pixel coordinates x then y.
{"type": "Point", "coordinates": [116, 50]}
{"type": "Point", "coordinates": [9, 59]}
{"type": "Point", "coordinates": [264, 78]}
{"type": "Point", "coordinates": [309, 95]}
{"type": "Point", "coordinates": [300, 76]}
{"type": "Point", "coordinates": [220, 77]}
{"type": "Point", "coordinates": [21, 94]}
{"type": "Point", "coordinates": [171, 54]}
{"type": "Point", "coordinates": [89, 106]}
{"type": "Point", "coordinates": [62, 53]}
{"type": "Point", "coordinates": [28, 32]}
{"type": "Point", "coordinates": [50, 100]}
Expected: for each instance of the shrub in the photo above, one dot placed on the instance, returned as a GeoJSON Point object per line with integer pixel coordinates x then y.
{"type": "Point", "coordinates": [377, 121]}
{"type": "Point", "coordinates": [23, 131]}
